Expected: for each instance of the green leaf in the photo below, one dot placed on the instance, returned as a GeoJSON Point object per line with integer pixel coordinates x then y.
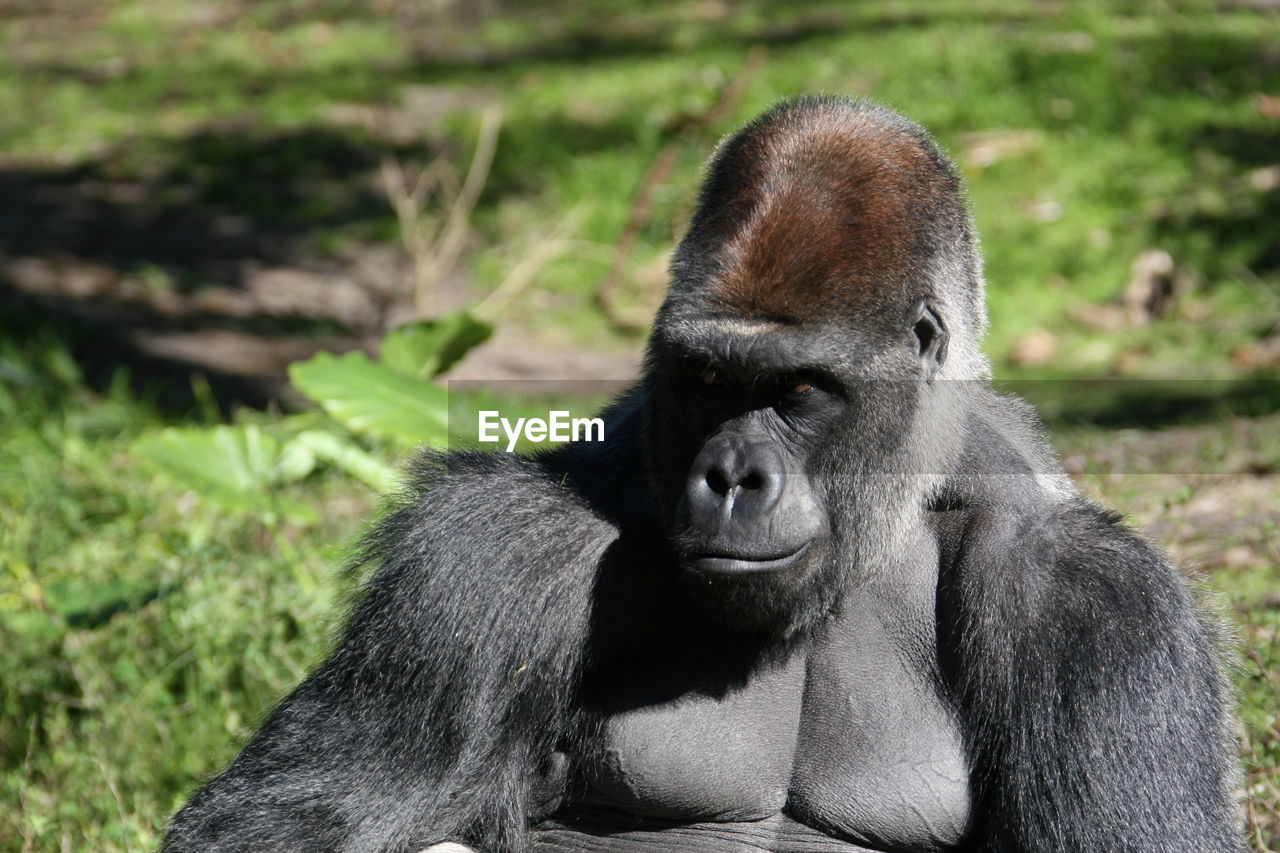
{"type": "Point", "coordinates": [233, 467]}
{"type": "Point", "coordinates": [346, 457]}
{"type": "Point", "coordinates": [296, 462]}
{"type": "Point", "coordinates": [32, 625]}
{"type": "Point", "coordinates": [90, 604]}
{"type": "Point", "coordinates": [372, 399]}
{"type": "Point", "coordinates": [427, 348]}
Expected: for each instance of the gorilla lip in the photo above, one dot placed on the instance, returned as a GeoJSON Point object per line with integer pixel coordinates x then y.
{"type": "Point", "coordinates": [727, 564]}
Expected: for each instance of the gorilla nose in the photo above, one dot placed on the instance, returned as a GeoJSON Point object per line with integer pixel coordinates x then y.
{"type": "Point", "coordinates": [735, 478]}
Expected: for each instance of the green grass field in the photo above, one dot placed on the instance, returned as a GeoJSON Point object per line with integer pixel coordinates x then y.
{"type": "Point", "coordinates": [161, 146]}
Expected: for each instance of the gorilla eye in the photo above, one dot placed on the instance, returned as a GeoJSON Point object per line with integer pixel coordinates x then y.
{"type": "Point", "coordinates": [793, 388]}
{"type": "Point", "coordinates": [931, 335]}
{"type": "Point", "coordinates": [925, 332]}
{"type": "Point", "coordinates": [709, 376]}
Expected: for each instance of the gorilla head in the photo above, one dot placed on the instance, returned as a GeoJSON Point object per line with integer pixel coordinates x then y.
{"type": "Point", "coordinates": [828, 279]}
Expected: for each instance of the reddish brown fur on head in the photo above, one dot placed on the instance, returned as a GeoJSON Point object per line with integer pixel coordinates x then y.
{"type": "Point", "coordinates": [823, 207]}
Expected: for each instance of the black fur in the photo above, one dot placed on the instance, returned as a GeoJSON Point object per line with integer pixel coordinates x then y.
{"type": "Point", "coordinates": [1092, 699]}
{"type": "Point", "coordinates": [447, 688]}
{"type": "Point", "coordinates": [948, 649]}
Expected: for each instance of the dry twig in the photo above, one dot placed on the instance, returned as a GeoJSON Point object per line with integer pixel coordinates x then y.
{"type": "Point", "coordinates": [684, 129]}
{"type": "Point", "coordinates": [434, 249]}
{"type": "Point", "coordinates": [550, 247]}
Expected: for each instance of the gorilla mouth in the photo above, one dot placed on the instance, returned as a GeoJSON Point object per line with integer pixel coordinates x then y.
{"type": "Point", "coordinates": [733, 564]}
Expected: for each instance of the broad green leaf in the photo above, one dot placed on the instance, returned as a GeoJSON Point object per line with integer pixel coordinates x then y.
{"type": "Point", "coordinates": [427, 348]}
{"type": "Point", "coordinates": [90, 604]}
{"type": "Point", "coordinates": [32, 625]}
{"type": "Point", "coordinates": [346, 457]}
{"type": "Point", "coordinates": [369, 398]}
{"type": "Point", "coordinates": [233, 467]}
{"type": "Point", "coordinates": [296, 462]}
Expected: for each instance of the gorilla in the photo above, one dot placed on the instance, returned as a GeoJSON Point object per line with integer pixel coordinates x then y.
{"type": "Point", "coordinates": [819, 590]}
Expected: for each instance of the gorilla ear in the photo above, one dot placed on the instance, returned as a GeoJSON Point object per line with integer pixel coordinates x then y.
{"type": "Point", "coordinates": [932, 337]}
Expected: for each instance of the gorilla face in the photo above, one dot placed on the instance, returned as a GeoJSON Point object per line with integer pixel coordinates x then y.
{"type": "Point", "coordinates": [790, 360]}
{"type": "Point", "coordinates": [748, 505]}
{"type": "Point", "coordinates": [776, 452]}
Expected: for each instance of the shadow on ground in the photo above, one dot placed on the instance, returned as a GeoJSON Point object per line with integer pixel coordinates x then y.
{"type": "Point", "coordinates": [235, 250]}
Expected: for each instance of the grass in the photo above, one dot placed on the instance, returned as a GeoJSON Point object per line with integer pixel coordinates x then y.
{"type": "Point", "coordinates": [140, 630]}
{"type": "Point", "coordinates": [143, 634]}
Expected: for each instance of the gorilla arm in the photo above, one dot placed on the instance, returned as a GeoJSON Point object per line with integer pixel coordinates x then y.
{"type": "Point", "coordinates": [1092, 701]}
{"type": "Point", "coordinates": [451, 685]}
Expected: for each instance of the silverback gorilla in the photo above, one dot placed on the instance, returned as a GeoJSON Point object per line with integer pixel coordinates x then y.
{"type": "Point", "coordinates": [820, 588]}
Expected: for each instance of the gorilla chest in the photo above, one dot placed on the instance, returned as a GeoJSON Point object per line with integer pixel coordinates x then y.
{"type": "Point", "coordinates": [848, 738]}
{"type": "Point", "coordinates": [880, 758]}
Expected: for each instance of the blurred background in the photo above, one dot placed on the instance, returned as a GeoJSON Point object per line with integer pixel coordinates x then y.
{"type": "Point", "coordinates": [243, 245]}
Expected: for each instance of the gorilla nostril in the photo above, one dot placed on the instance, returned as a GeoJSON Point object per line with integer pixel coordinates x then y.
{"type": "Point", "coordinates": [735, 475]}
